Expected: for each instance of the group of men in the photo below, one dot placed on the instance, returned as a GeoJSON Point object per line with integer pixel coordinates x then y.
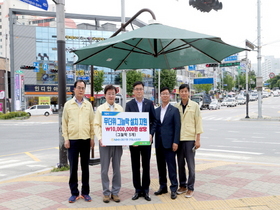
{"type": "Point", "coordinates": [177, 131]}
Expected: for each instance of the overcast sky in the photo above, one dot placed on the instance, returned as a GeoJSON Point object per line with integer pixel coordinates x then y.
{"type": "Point", "coordinates": [235, 23]}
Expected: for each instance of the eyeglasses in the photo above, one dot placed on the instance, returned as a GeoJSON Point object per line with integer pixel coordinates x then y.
{"type": "Point", "coordinates": [110, 94]}
{"type": "Point", "coordinates": [80, 88]}
{"type": "Point", "coordinates": [138, 89]}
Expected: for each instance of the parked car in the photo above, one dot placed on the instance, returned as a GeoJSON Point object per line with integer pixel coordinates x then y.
{"type": "Point", "coordinates": [39, 110]}
{"type": "Point", "coordinates": [231, 102]}
{"type": "Point", "coordinates": [241, 100]}
{"type": "Point", "coordinates": [215, 105]}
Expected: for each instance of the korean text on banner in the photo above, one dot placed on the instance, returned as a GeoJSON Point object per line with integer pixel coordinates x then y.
{"type": "Point", "coordinates": [125, 128]}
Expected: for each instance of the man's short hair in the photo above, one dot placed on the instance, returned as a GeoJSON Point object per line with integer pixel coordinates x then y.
{"type": "Point", "coordinates": [184, 86]}
{"type": "Point", "coordinates": [164, 88]}
{"type": "Point", "coordinates": [138, 83]}
{"type": "Point", "coordinates": [110, 87]}
{"type": "Point", "coordinates": [80, 80]}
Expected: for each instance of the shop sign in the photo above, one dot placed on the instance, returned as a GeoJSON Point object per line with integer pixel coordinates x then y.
{"type": "Point", "coordinates": [46, 88]}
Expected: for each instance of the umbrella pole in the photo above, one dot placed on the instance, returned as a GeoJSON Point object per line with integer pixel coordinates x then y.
{"type": "Point", "coordinates": [133, 18]}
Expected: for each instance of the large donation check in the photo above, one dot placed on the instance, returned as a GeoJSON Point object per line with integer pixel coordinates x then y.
{"type": "Point", "coordinates": [125, 128]}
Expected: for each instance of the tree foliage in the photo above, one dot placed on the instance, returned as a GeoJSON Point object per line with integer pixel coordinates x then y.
{"type": "Point", "coordinates": [229, 81]}
{"type": "Point", "coordinates": [98, 81]}
{"type": "Point", "coordinates": [132, 76]}
{"type": "Point", "coordinates": [167, 78]}
{"type": "Point", "coordinates": [274, 82]}
{"type": "Point", "coordinates": [203, 87]}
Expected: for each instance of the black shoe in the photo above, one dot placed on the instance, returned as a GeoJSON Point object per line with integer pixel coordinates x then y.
{"type": "Point", "coordinates": [147, 197]}
{"type": "Point", "coordinates": [173, 195]}
{"type": "Point", "coordinates": [160, 191]}
{"type": "Point", "coordinates": [135, 196]}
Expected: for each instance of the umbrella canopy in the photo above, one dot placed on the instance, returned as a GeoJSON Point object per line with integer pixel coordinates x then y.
{"type": "Point", "coordinates": [155, 46]}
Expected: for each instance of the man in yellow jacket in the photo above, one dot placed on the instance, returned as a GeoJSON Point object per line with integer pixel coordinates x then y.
{"type": "Point", "coordinates": [77, 130]}
{"type": "Point", "coordinates": [109, 153]}
{"type": "Point", "coordinates": [191, 128]}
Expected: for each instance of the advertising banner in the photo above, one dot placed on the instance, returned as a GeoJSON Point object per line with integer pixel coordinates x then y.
{"type": "Point", "coordinates": [125, 128]}
{"type": "Point", "coordinates": [45, 100]}
{"type": "Point", "coordinates": [1, 107]}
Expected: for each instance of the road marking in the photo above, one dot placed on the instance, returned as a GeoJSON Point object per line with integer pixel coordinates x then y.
{"type": "Point", "coordinates": [32, 156]}
{"type": "Point", "coordinates": [256, 142]}
{"type": "Point", "coordinates": [234, 131]}
{"type": "Point", "coordinates": [231, 151]}
{"type": "Point", "coordinates": [8, 161]}
{"type": "Point", "coordinates": [16, 164]}
{"type": "Point", "coordinates": [223, 156]}
{"type": "Point", "coordinates": [31, 166]}
{"type": "Point", "coordinates": [29, 151]}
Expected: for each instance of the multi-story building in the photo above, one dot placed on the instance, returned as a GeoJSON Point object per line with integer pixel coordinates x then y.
{"type": "Point", "coordinates": [270, 65]}
{"type": "Point", "coordinates": [34, 43]}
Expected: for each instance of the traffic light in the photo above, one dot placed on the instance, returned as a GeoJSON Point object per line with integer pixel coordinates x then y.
{"type": "Point", "coordinates": [206, 5]}
{"type": "Point", "coordinates": [54, 70]}
{"type": "Point", "coordinates": [212, 65]}
{"type": "Point", "coordinates": [27, 67]}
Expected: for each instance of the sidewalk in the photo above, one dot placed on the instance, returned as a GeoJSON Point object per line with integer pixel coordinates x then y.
{"type": "Point", "coordinates": [219, 185]}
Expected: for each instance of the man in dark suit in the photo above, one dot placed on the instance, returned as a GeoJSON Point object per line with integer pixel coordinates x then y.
{"type": "Point", "coordinates": [141, 153]}
{"type": "Point", "coordinates": [167, 139]}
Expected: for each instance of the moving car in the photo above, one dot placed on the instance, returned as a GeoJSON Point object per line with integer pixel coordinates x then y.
{"type": "Point", "coordinates": [39, 110]}
{"type": "Point", "coordinates": [241, 100]}
{"type": "Point", "coordinates": [253, 97]}
{"type": "Point", "coordinates": [215, 105]}
{"type": "Point", "coordinates": [276, 93]}
{"type": "Point", "coordinates": [231, 102]}
{"type": "Point", "coordinates": [224, 102]}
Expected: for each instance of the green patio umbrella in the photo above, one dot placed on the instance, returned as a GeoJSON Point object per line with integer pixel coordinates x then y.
{"type": "Point", "coordinates": [155, 46]}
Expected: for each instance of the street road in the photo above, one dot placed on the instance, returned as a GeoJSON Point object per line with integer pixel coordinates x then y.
{"type": "Point", "coordinates": [31, 145]}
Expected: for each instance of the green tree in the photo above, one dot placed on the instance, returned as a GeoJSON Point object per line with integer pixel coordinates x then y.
{"type": "Point", "coordinates": [203, 87]}
{"type": "Point", "coordinates": [229, 81]}
{"type": "Point", "coordinates": [98, 80]}
{"type": "Point", "coordinates": [167, 78]}
{"type": "Point", "coordinates": [274, 82]}
{"type": "Point", "coordinates": [131, 77]}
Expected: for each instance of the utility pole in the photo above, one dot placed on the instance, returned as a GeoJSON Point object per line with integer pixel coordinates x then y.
{"type": "Point", "coordinates": [259, 82]}
{"type": "Point", "coordinates": [60, 28]}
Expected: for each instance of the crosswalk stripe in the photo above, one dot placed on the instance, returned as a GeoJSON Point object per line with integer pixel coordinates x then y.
{"type": "Point", "coordinates": [16, 164]}
{"type": "Point", "coordinates": [2, 162]}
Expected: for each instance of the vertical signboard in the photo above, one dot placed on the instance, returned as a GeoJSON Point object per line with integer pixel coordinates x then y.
{"type": "Point", "coordinates": [19, 92]}
{"type": "Point", "coordinates": [1, 107]}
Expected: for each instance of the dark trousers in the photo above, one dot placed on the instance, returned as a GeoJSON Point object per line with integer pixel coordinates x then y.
{"type": "Point", "coordinates": [79, 148]}
{"type": "Point", "coordinates": [143, 153]}
{"type": "Point", "coordinates": [185, 154]}
{"type": "Point", "coordinates": [166, 157]}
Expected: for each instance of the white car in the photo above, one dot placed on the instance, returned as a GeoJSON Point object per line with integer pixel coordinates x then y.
{"type": "Point", "coordinates": [276, 93]}
{"type": "Point", "coordinates": [224, 102]}
{"type": "Point", "coordinates": [214, 105]}
{"type": "Point", "coordinates": [231, 102]}
{"type": "Point", "coordinates": [39, 110]}
{"type": "Point", "coordinates": [253, 97]}
{"type": "Point", "coordinates": [241, 100]}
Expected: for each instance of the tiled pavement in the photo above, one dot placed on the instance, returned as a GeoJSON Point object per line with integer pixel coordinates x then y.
{"type": "Point", "coordinates": [219, 185]}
